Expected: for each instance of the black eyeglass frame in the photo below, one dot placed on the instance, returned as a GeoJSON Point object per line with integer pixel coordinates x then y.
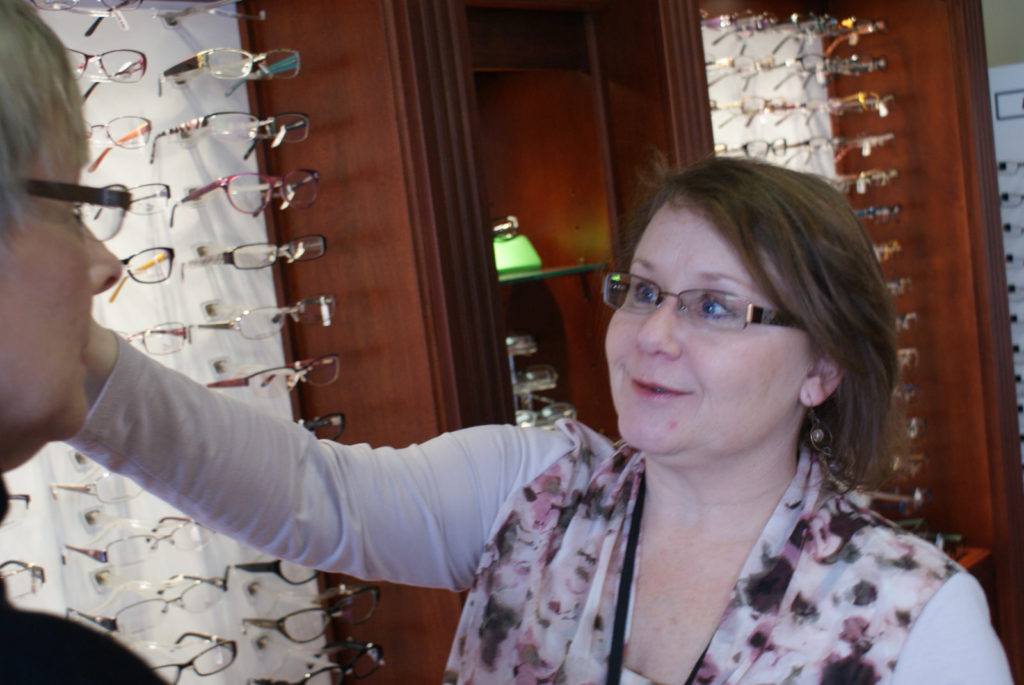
{"type": "Point", "coordinates": [115, 196]}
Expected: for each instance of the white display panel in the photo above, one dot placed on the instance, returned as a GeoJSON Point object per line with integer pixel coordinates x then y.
{"type": "Point", "coordinates": [1006, 84]}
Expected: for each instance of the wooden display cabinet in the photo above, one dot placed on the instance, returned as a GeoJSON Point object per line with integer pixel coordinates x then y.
{"type": "Point", "coordinates": [432, 117]}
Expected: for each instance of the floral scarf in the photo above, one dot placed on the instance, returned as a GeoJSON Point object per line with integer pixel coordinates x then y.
{"type": "Point", "coordinates": [828, 593]}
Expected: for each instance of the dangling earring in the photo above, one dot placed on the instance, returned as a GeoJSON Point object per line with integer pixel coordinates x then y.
{"type": "Point", "coordinates": [819, 435]}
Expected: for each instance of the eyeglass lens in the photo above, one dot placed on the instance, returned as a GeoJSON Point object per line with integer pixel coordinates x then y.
{"type": "Point", "coordinates": [150, 198]}
{"type": "Point", "coordinates": [165, 338]}
{"type": "Point", "coordinates": [326, 427]}
{"type": "Point", "coordinates": [21, 578]}
{"type": "Point", "coordinates": [211, 660]}
{"type": "Point", "coordinates": [293, 574]}
{"type": "Point", "coordinates": [259, 255]}
{"type": "Point", "coordinates": [264, 322]}
{"type": "Point", "coordinates": [305, 625]}
{"type": "Point", "coordinates": [356, 607]}
{"type": "Point", "coordinates": [150, 266]}
{"type": "Point", "coordinates": [121, 66]}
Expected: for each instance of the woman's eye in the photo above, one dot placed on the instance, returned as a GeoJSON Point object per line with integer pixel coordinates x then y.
{"type": "Point", "coordinates": [714, 307]}
{"type": "Point", "coordinates": [646, 293]}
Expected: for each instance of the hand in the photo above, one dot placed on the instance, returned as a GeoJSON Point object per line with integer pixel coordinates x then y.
{"type": "Point", "coordinates": [100, 357]}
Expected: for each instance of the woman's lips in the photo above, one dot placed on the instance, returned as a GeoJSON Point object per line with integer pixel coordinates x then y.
{"type": "Point", "coordinates": [654, 390]}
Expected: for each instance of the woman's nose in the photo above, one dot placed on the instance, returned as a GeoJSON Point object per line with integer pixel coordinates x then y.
{"type": "Point", "coordinates": [659, 333]}
{"type": "Point", "coordinates": [104, 268]}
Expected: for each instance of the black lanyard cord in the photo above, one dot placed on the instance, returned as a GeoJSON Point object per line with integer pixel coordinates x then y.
{"type": "Point", "coordinates": [625, 588]}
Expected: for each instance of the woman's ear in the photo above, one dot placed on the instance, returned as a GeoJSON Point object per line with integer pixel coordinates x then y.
{"type": "Point", "coordinates": [822, 379]}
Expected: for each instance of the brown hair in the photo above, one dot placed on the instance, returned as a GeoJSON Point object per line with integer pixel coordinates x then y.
{"type": "Point", "coordinates": [806, 250]}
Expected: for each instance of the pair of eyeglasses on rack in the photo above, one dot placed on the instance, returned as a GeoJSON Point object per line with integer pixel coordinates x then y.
{"type": "Point", "coordinates": [253, 324]}
{"type": "Point", "coordinates": [1011, 199]}
{"type": "Point", "coordinates": [860, 182]}
{"type": "Point", "coordinates": [264, 322]}
{"type": "Point", "coordinates": [112, 66]}
{"type": "Point", "coordinates": [824, 69]}
{"type": "Point", "coordinates": [853, 30]}
{"type": "Point", "coordinates": [259, 255]}
{"type": "Point", "coordinates": [216, 656]}
{"type": "Point", "coordinates": [181, 533]}
{"type": "Point", "coordinates": [899, 286]}
{"type": "Point", "coordinates": [111, 9]}
{"type": "Point", "coordinates": [235, 65]}
{"type": "Point", "coordinates": [20, 578]}
{"type": "Point", "coordinates": [814, 66]}
{"type": "Point", "coordinates": [281, 380]}
{"type": "Point", "coordinates": [797, 26]}
{"type": "Point", "coordinates": [325, 427]}
{"type": "Point", "coordinates": [887, 250]}
{"type": "Point", "coordinates": [251, 193]}
{"type": "Point", "coordinates": [152, 265]}
{"type": "Point", "coordinates": [127, 132]}
{"type": "Point", "coordinates": [17, 509]}
{"type": "Point", "coordinates": [351, 604]}
{"type": "Point", "coordinates": [354, 659]}
{"type": "Point", "coordinates": [287, 127]}
{"type": "Point", "coordinates": [107, 487]}
{"type": "Point", "coordinates": [172, 18]}
{"type": "Point", "coordinates": [355, 606]}
{"type": "Point", "coordinates": [142, 621]}
{"type": "Point", "coordinates": [880, 213]}
{"type": "Point", "coordinates": [194, 594]}
{"type": "Point", "coordinates": [838, 146]}
{"type": "Point", "coordinates": [904, 502]}
{"type": "Point", "coordinates": [753, 106]}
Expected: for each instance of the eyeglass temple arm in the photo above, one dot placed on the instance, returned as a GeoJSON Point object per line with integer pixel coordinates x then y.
{"type": "Point", "coordinates": [219, 325]}
{"type": "Point", "coordinates": [230, 383]}
{"type": "Point", "coordinates": [88, 488]}
{"type": "Point", "coordinates": [140, 130]}
{"type": "Point", "coordinates": [207, 260]}
{"type": "Point", "coordinates": [104, 622]}
{"type": "Point", "coordinates": [99, 555]}
{"type": "Point", "coordinates": [270, 623]}
{"type": "Point", "coordinates": [170, 18]}
{"type": "Point", "coordinates": [193, 63]}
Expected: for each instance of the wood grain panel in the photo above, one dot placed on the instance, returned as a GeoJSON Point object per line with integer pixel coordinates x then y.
{"type": "Point", "coordinates": [384, 331]}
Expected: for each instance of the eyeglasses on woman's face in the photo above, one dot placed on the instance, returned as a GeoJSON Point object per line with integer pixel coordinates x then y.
{"type": "Point", "coordinates": [101, 210]}
{"type": "Point", "coordinates": [713, 310]}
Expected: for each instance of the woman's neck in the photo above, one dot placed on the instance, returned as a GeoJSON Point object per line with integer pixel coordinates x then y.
{"type": "Point", "coordinates": [723, 500]}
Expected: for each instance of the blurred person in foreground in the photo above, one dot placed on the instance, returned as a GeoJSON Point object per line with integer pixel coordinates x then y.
{"type": "Point", "coordinates": [50, 267]}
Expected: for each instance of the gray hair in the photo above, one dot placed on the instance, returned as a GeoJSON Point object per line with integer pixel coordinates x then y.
{"type": "Point", "coordinates": [41, 125]}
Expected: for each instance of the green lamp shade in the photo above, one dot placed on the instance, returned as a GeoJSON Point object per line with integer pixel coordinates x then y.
{"type": "Point", "coordinates": [515, 254]}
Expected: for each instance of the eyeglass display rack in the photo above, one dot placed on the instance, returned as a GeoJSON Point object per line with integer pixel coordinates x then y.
{"type": "Point", "coordinates": [80, 519]}
{"type": "Point", "coordinates": [439, 115]}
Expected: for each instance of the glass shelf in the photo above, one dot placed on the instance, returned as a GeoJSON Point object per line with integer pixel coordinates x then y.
{"type": "Point", "coordinates": [539, 274]}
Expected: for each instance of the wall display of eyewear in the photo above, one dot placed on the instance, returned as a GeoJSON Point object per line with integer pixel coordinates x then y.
{"type": "Point", "coordinates": [1010, 179]}
{"type": "Point", "coordinates": [752, 115]}
{"type": "Point", "coordinates": [88, 544]}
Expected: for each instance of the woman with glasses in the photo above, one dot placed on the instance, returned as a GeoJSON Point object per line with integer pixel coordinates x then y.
{"type": "Point", "coordinates": [50, 266]}
{"type": "Point", "coordinates": [753, 363]}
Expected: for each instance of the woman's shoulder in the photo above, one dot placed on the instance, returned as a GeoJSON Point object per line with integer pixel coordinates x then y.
{"type": "Point", "coordinates": [872, 542]}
